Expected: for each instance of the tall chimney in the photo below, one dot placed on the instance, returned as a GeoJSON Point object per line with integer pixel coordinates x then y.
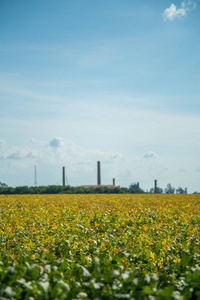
{"type": "Point", "coordinates": [98, 173]}
{"type": "Point", "coordinates": [155, 185]}
{"type": "Point", "coordinates": [63, 173]}
{"type": "Point", "coordinates": [113, 181]}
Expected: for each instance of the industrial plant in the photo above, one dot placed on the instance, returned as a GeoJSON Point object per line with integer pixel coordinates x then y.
{"type": "Point", "coordinates": [88, 188]}
{"type": "Point", "coordinates": [98, 179]}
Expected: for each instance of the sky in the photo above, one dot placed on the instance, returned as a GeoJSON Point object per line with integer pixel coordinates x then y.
{"type": "Point", "coordinates": [97, 80]}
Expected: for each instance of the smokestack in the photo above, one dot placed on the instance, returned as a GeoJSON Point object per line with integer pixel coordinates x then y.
{"type": "Point", "coordinates": [155, 185]}
{"type": "Point", "coordinates": [98, 173]}
{"type": "Point", "coordinates": [63, 173]}
{"type": "Point", "coordinates": [113, 181]}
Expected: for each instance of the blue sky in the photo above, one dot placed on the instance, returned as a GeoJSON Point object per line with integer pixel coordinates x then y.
{"type": "Point", "coordinates": [115, 81]}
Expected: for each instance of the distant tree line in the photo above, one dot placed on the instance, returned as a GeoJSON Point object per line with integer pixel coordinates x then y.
{"type": "Point", "coordinates": [169, 190]}
{"type": "Point", "coordinates": [58, 189]}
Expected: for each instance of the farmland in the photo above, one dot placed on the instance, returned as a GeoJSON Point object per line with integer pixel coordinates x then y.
{"type": "Point", "coordinates": [100, 246]}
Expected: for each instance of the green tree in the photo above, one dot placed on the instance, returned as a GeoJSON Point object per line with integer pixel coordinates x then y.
{"type": "Point", "coordinates": [180, 190]}
{"type": "Point", "coordinates": [169, 189]}
{"type": "Point", "coordinates": [3, 185]}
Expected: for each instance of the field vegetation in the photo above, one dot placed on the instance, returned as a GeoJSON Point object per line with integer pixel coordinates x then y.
{"type": "Point", "coordinates": [100, 246]}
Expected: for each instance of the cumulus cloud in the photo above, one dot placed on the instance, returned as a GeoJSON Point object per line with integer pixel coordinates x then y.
{"type": "Point", "coordinates": [57, 142]}
{"type": "Point", "coordinates": [51, 155]}
{"type": "Point", "coordinates": [61, 151]}
{"type": "Point", "coordinates": [21, 154]}
{"type": "Point", "coordinates": [173, 12]}
{"type": "Point", "coordinates": [15, 155]}
{"type": "Point", "coordinates": [150, 154]}
{"type": "Point", "coordinates": [2, 143]}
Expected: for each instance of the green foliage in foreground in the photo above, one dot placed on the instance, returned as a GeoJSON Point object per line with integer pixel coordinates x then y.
{"type": "Point", "coordinates": [99, 247]}
{"type": "Point", "coordinates": [65, 279]}
{"type": "Point", "coordinates": [58, 189]}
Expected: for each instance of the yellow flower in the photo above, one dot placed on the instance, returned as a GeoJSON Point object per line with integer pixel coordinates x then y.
{"type": "Point", "coordinates": [104, 243]}
{"type": "Point", "coordinates": [152, 256]}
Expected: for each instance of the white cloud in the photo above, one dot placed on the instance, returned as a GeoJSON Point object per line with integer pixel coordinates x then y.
{"type": "Point", "coordinates": [18, 161]}
{"type": "Point", "coordinates": [49, 156]}
{"type": "Point", "coordinates": [150, 154]}
{"type": "Point", "coordinates": [191, 3]}
{"type": "Point", "coordinates": [2, 143]}
{"type": "Point", "coordinates": [173, 12]}
{"type": "Point", "coordinates": [17, 155]}
{"type": "Point", "coordinates": [57, 142]}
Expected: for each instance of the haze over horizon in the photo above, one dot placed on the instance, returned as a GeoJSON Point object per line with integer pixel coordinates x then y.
{"type": "Point", "coordinates": [111, 81]}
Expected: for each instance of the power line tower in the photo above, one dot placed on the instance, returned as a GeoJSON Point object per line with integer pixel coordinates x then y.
{"type": "Point", "coordinates": [35, 175]}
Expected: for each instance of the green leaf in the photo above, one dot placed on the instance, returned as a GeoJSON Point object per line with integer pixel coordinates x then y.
{"type": "Point", "coordinates": [148, 290]}
{"type": "Point", "coordinates": [185, 259]}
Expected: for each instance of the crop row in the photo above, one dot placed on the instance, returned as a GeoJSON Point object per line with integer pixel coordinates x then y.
{"type": "Point", "coordinates": [99, 246]}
